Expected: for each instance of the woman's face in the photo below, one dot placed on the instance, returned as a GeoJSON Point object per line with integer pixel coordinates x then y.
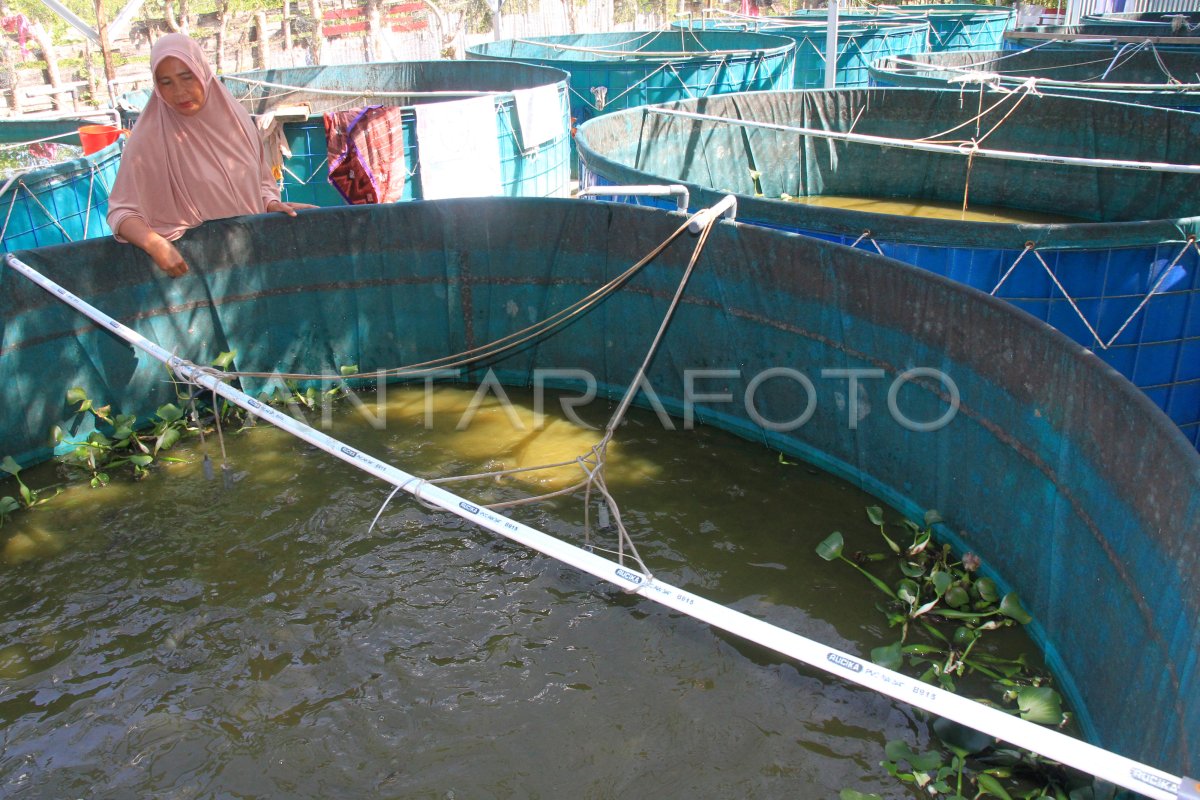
{"type": "Point", "coordinates": [182, 90]}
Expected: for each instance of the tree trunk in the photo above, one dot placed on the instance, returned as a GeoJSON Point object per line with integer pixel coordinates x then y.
{"type": "Point", "coordinates": [444, 33]}
{"type": "Point", "coordinates": [110, 69]}
{"type": "Point", "coordinates": [374, 26]}
{"type": "Point", "coordinates": [169, 14]}
{"type": "Point", "coordinates": [93, 82]}
{"type": "Point", "coordinates": [222, 31]}
{"type": "Point", "coordinates": [10, 68]}
{"type": "Point", "coordinates": [287, 27]}
{"type": "Point", "coordinates": [314, 44]}
{"type": "Point", "coordinates": [264, 44]}
{"type": "Point", "coordinates": [572, 25]}
{"type": "Point", "coordinates": [47, 48]}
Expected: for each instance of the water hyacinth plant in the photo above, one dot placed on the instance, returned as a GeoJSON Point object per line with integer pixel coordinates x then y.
{"type": "Point", "coordinates": [943, 607]}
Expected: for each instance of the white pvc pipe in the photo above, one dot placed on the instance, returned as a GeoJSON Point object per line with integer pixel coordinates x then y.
{"type": "Point", "coordinates": [961, 150]}
{"type": "Point", "coordinates": [1125, 772]}
{"type": "Point", "coordinates": [831, 45]}
{"type": "Point", "coordinates": [678, 191]}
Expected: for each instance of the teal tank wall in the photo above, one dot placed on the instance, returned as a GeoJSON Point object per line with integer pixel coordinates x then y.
{"type": "Point", "coordinates": [1141, 76]}
{"type": "Point", "coordinates": [1068, 482]}
{"type": "Point", "coordinates": [1119, 272]}
{"type": "Point", "coordinates": [612, 71]}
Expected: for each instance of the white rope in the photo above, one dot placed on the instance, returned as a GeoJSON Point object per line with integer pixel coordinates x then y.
{"type": "Point", "coordinates": [367, 93]}
{"type": "Point", "coordinates": [909, 144]}
{"type": "Point", "coordinates": [1113, 767]}
{"type": "Point", "coordinates": [639, 54]}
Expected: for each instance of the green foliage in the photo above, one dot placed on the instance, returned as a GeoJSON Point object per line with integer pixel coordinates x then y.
{"type": "Point", "coordinates": [26, 497]}
{"type": "Point", "coordinates": [943, 609]}
{"type": "Point", "coordinates": [117, 442]}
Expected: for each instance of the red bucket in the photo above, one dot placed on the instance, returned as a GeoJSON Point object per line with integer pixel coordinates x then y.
{"type": "Point", "coordinates": [98, 137]}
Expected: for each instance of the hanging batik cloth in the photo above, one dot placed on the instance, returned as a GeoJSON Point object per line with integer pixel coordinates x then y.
{"type": "Point", "coordinates": [366, 154]}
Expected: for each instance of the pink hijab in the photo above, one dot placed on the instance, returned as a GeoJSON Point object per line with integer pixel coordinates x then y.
{"type": "Point", "coordinates": [177, 172]}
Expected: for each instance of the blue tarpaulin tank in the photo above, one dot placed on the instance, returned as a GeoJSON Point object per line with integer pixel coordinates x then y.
{"type": "Point", "coordinates": [1167, 79]}
{"type": "Point", "coordinates": [859, 43]}
{"type": "Point", "coordinates": [1070, 485]}
{"type": "Point", "coordinates": [1123, 279]}
{"type": "Point", "coordinates": [301, 95]}
{"type": "Point", "coordinates": [61, 202]}
{"type": "Point", "coordinates": [612, 71]}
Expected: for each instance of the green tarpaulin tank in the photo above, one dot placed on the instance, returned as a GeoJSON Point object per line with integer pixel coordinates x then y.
{"type": "Point", "coordinates": [529, 161]}
{"type": "Point", "coordinates": [612, 71]}
{"type": "Point", "coordinates": [1118, 270]}
{"type": "Point", "coordinates": [953, 27]}
{"type": "Point", "coordinates": [1165, 36]}
{"type": "Point", "coordinates": [1065, 479]}
{"type": "Point", "coordinates": [859, 43]}
{"type": "Point", "coordinates": [1168, 79]}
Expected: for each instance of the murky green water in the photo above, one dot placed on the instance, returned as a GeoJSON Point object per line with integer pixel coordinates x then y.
{"type": "Point", "coordinates": [933, 209]}
{"type": "Point", "coordinates": [175, 639]}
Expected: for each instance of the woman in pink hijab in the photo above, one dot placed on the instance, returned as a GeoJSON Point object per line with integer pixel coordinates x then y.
{"type": "Point", "coordinates": [194, 155]}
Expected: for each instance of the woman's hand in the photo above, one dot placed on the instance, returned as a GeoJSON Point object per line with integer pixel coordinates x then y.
{"type": "Point", "coordinates": [165, 255]}
{"type": "Point", "coordinates": [287, 208]}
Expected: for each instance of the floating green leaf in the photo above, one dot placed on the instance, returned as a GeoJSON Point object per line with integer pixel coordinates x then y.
{"type": "Point", "coordinates": [990, 785]}
{"type": "Point", "coordinates": [169, 412]}
{"type": "Point", "coordinates": [1011, 607]}
{"type": "Point", "coordinates": [10, 465]}
{"type": "Point", "coordinates": [225, 359]}
{"type": "Point", "coordinates": [957, 597]}
{"type": "Point", "coordinates": [875, 514]}
{"type": "Point", "coordinates": [941, 581]}
{"type": "Point", "coordinates": [76, 394]}
{"type": "Point", "coordinates": [141, 460]}
{"type": "Point", "coordinates": [831, 547]}
{"type": "Point", "coordinates": [1040, 704]}
{"type": "Point", "coordinates": [912, 569]}
{"type": "Point", "coordinates": [898, 750]}
{"type": "Point", "coordinates": [889, 657]}
{"type": "Point", "coordinates": [8, 505]}
{"type": "Point", "coordinates": [908, 591]}
{"type": "Point", "coordinates": [348, 369]}
{"type": "Point", "coordinates": [850, 794]}
{"type": "Point", "coordinates": [167, 439]}
{"type": "Point", "coordinates": [986, 587]}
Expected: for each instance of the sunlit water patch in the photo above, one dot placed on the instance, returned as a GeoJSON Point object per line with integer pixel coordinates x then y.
{"type": "Point", "coordinates": [175, 637]}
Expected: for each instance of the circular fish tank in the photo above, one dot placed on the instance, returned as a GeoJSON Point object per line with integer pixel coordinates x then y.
{"type": "Point", "coordinates": [613, 71]}
{"type": "Point", "coordinates": [51, 192]}
{"type": "Point", "coordinates": [528, 153]}
{"type": "Point", "coordinates": [1109, 256]}
{"type": "Point", "coordinates": [1143, 76]}
{"type": "Point", "coordinates": [859, 43]}
{"type": "Point", "coordinates": [953, 27]}
{"type": "Point", "coordinates": [1066, 480]}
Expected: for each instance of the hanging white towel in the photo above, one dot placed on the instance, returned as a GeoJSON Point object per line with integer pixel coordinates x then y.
{"type": "Point", "coordinates": [457, 148]}
{"type": "Point", "coordinates": [540, 115]}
